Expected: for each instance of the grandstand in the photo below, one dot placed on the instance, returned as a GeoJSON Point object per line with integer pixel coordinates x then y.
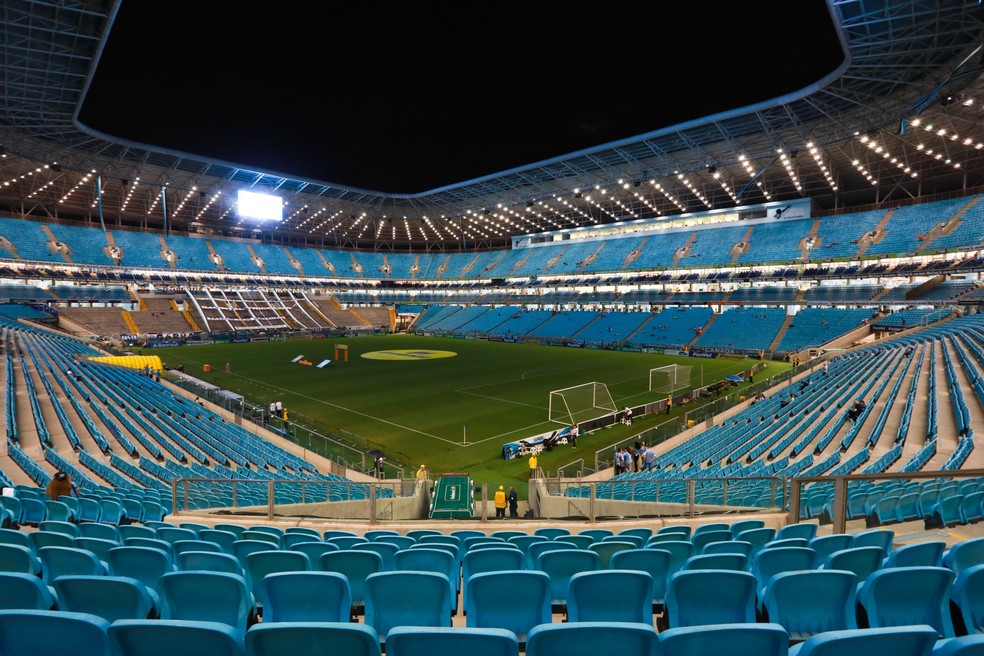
{"type": "Point", "coordinates": [867, 439]}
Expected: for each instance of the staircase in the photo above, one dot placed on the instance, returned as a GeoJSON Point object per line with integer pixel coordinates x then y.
{"type": "Point", "coordinates": [879, 233]}
{"type": "Point", "coordinates": [947, 226]}
{"type": "Point", "coordinates": [684, 250]}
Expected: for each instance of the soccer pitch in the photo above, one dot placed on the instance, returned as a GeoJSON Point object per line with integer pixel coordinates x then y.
{"type": "Point", "coordinates": [449, 403]}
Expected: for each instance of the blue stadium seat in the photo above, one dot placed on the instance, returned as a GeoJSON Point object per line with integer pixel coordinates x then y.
{"type": "Point", "coordinates": [292, 638]}
{"type": "Point", "coordinates": [592, 638]}
{"type": "Point", "coordinates": [428, 641]}
{"type": "Point", "coordinates": [761, 639]}
{"type": "Point", "coordinates": [20, 559]}
{"type": "Point", "coordinates": [709, 596]}
{"type": "Point", "coordinates": [967, 601]}
{"type": "Point", "coordinates": [169, 637]}
{"type": "Point", "coordinates": [38, 632]}
{"type": "Point", "coordinates": [860, 560]}
{"type": "Point", "coordinates": [63, 561]}
{"type": "Point", "coordinates": [306, 597]}
{"type": "Point", "coordinates": [653, 561]}
{"type": "Point", "coordinates": [262, 563]}
{"type": "Point", "coordinates": [964, 554]}
{"type": "Point", "coordinates": [807, 530]}
{"type": "Point", "coordinates": [907, 595]}
{"type": "Point", "coordinates": [432, 560]}
{"type": "Point", "coordinates": [732, 561]}
{"type": "Point", "coordinates": [110, 597]}
{"type": "Point", "coordinates": [610, 595]}
{"type": "Point", "coordinates": [142, 563]}
{"type": "Point", "coordinates": [357, 566]}
{"type": "Point", "coordinates": [20, 591]}
{"type": "Point", "coordinates": [514, 600]}
{"type": "Point", "coordinates": [488, 560]}
{"type": "Point", "coordinates": [806, 603]}
{"type": "Point", "coordinates": [917, 554]}
{"type": "Point", "coordinates": [916, 640]}
{"type": "Point", "coordinates": [967, 645]}
{"type": "Point", "coordinates": [608, 548]}
{"type": "Point", "coordinates": [207, 597]}
{"type": "Point", "coordinates": [407, 599]}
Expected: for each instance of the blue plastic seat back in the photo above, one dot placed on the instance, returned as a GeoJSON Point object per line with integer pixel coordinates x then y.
{"type": "Point", "coordinates": [111, 511]}
{"type": "Point", "coordinates": [35, 632]}
{"type": "Point", "coordinates": [916, 640]}
{"type": "Point", "coordinates": [515, 600]}
{"type": "Point", "coordinates": [110, 597]}
{"type": "Point", "coordinates": [209, 561]}
{"type": "Point", "coordinates": [386, 550]}
{"type": "Point", "coordinates": [224, 539]}
{"type": "Point", "coordinates": [643, 532]}
{"type": "Point", "coordinates": [57, 511]}
{"type": "Point", "coordinates": [612, 595]}
{"type": "Point", "coordinates": [313, 550]}
{"type": "Point", "coordinates": [701, 539]}
{"type": "Point", "coordinates": [759, 639]}
{"type": "Point", "coordinates": [261, 563]}
{"type": "Point", "coordinates": [908, 595]}
{"type": "Point", "coordinates": [276, 541]}
{"type": "Point", "coordinates": [373, 534]}
{"type": "Point", "coordinates": [306, 597]}
{"type": "Point", "coordinates": [417, 533]}
{"type": "Point", "coordinates": [62, 561]}
{"type": "Point", "coordinates": [824, 545]}
{"type": "Point", "coordinates": [133, 509]}
{"type": "Point", "coordinates": [551, 532]}
{"type": "Point", "coordinates": [241, 549]}
{"type": "Point", "coordinates": [304, 530]}
{"type": "Point", "coordinates": [524, 541]}
{"type": "Point", "coordinates": [806, 530]}
{"type": "Point", "coordinates": [172, 534]}
{"type": "Point", "coordinates": [560, 565]}
{"type": "Point", "coordinates": [963, 554]}
{"type": "Point", "coordinates": [101, 531]}
{"type": "Point", "coordinates": [607, 548]}
{"type": "Point", "coordinates": [769, 562]}
{"type": "Point", "coordinates": [536, 548]}
{"type": "Point", "coordinates": [488, 560]}
{"type": "Point", "coordinates": [734, 561]}
{"type": "Point", "coordinates": [729, 546]}
{"type": "Point", "coordinates": [432, 560]}
{"type": "Point", "coordinates": [170, 637]}
{"type": "Point", "coordinates": [401, 541]}
{"type": "Point", "coordinates": [346, 542]}
{"type": "Point", "coordinates": [180, 546]}
{"type": "Point", "coordinates": [98, 546]}
{"type": "Point", "coordinates": [15, 508]}
{"type": "Point", "coordinates": [917, 554]}
{"type": "Point", "coordinates": [712, 526]}
{"type": "Point", "coordinates": [967, 595]}
{"type": "Point", "coordinates": [680, 552]}
{"type": "Point", "coordinates": [809, 602]}
{"type": "Point", "coordinates": [878, 537]}
{"type": "Point", "coordinates": [235, 529]}
{"type": "Point", "coordinates": [596, 534]}
{"type": "Point", "coordinates": [291, 638]}
{"type": "Point", "coordinates": [50, 539]}
{"type": "Point", "coordinates": [555, 639]}
{"type": "Point", "coordinates": [154, 511]}
{"type": "Point", "coordinates": [653, 561]}
{"type": "Point", "coordinates": [20, 591]}
{"type": "Point", "coordinates": [145, 564]}
{"type": "Point", "coordinates": [89, 510]}
{"type": "Point", "coordinates": [745, 525]}
{"type": "Point", "coordinates": [786, 542]}
{"type": "Point", "coordinates": [18, 558]}
{"type": "Point", "coordinates": [206, 596]}
{"type": "Point", "coordinates": [356, 566]}
{"type": "Point", "coordinates": [579, 541]}
{"type": "Point", "coordinates": [429, 641]}
{"type": "Point", "coordinates": [758, 537]}
{"type": "Point", "coordinates": [636, 540]}
{"type": "Point", "coordinates": [860, 560]}
{"type": "Point", "coordinates": [684, 529]}
{"type": "Point", "coordinates": [710, 596]}
{"type": "Point", "coordinates": [408, 598]}
{"type": "Point", "coordinates": [271, 530]}
{"type": "Point", "coordinates": [965, 645]}
{"type": "Point", "coordinates": [32, 511]}
{"type": "Point", "coordinates": [59, 526]}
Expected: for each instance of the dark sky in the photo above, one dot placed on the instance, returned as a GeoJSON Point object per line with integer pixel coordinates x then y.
{"type": "Point", "coordinates": [405, 98]}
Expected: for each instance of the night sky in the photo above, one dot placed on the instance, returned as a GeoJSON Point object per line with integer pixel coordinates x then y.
{"type": "Point", "coordinates": [409, 98]}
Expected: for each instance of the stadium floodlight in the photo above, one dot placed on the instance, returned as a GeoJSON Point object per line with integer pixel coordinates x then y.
{"type": "Point", "coordinates": [670, 378]}
{"type": "Point", "coordinates": [573, 405]}
{"type": "Point", "coordinates": [263, 207]}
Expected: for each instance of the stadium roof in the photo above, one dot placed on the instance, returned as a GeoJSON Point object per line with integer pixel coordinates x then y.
{"type": "Point", "coordinates": [900, 119]}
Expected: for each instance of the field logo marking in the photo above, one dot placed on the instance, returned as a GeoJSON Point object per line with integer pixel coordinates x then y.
{"type": "Point", "coordinates": [408, 354]}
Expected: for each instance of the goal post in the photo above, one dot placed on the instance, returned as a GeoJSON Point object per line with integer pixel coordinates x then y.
{"type": "Point", "coordinates": [669, 378]}
{"type": "Point", "coordinates": [573, 405]}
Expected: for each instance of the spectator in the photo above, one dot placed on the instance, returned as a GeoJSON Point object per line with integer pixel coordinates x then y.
{"type": "Point", "coordinates": [59, 486]}
{"type": "Point", "coordinates": [513, 502]}
{"type": "Point", "coordinates": [500, 503]}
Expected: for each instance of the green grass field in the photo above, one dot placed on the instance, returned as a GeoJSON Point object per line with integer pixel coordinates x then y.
{"type": "Point", "coordinates": [451, 413]}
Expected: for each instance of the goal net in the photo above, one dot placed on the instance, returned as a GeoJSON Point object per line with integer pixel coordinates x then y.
{"type": "Point", "coordinates": [573, 405]}
{"type": "Point", "coordinates": [670, 378]}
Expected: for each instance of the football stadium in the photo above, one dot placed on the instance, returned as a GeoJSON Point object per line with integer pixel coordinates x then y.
{"type": "Point", "coordinates": [714, 387]}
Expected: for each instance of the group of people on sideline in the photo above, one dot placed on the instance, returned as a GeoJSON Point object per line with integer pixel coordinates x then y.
{"type": "Point", "coordinates": [501, 500]}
